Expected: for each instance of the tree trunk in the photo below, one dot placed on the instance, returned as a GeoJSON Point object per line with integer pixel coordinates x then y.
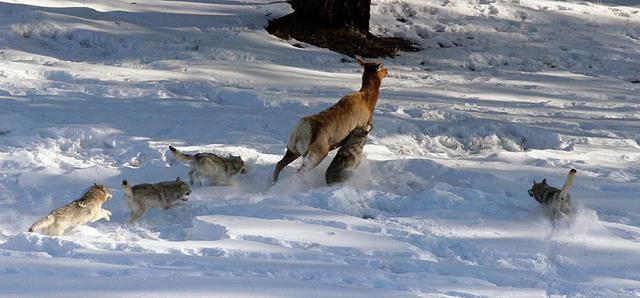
{"type": "Point", "coordinates": [339, 25]}
{"type": "Point", "coordinates": [352, 15]}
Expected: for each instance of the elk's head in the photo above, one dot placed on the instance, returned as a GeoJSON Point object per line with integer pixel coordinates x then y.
{"type": "Point", "coordinates": [372, 69]}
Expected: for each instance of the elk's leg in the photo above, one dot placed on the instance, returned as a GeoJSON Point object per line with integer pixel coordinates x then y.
{"type": "Point", "coordinates": [288, 158]}
{"type": "Point", "coordinates": [313, 158]}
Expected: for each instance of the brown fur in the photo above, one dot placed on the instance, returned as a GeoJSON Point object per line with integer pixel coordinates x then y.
{"type": "Point", "coordinates": [315, 135]}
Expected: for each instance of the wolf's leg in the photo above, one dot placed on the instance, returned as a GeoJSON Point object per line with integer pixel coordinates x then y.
{"type": "Point", "coordinates": [166, 203]}
{"type": "Point", "coordinates": [135, 215]}
{"type": "Point", "coordinates": [191, 177]}
{"type": "Point", "coordinates": [54, 230]}
{"type": "Point", "coordinates": [288, 158]}
{"type": "Point", "coordinates": [221, 179]}
{"type": "Point", "coordinates": [42, 223]}
{"type": "Point", "coordinates": [103, 214]}
{"type": "Point", "coordinates": [197, 177]}
{"type": "Point", "coordinates": [203, 180]}
{"type": "Point", "coordinates": [136, 212]}
{"type": "Point", "coordinates": [171, 205]}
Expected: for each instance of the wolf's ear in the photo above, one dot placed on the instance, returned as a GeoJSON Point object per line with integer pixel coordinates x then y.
{"type": "Point", "coordinates": [177, 179]}
{"type": "Point", "coordinates": [360, 60]}
{"type": "Point", "coordinates": [534, 182]}
{"type": "Point", "coordinates": [544, 181]}
{"type": "Point", "coordinates": [95, 184]}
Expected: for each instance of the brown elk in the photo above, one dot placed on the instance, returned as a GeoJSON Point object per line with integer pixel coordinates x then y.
{"type": "Point", "coordinates": [315, 135]}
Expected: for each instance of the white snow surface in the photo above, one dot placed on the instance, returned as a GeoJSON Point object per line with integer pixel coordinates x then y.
{"type": "Point", "coordinates": [501, 94]}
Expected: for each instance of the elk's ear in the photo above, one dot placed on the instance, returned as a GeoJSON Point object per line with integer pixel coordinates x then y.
{"type": "Point", "coordinates": [178, 179]}
{"type": "Point", "coordinates": [360, 60]}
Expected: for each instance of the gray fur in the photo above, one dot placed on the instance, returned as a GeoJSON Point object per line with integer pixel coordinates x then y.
{"type": "Point", "coordinates": [81, 211]}
{"type": "Point", "coordinates": [557, 201]}
{"type": "Point", "coordinates": [348, 157]}
{"type": "Point", "coordinates": [209, 168]}
{"type": "Point", "coordinates": [164, 195]}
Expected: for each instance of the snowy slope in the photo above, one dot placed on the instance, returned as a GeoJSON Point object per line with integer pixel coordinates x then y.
{"type": "Point", "coordinates": [503, 92]}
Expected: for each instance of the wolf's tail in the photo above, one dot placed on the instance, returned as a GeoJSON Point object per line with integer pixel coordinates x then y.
{"type": "Point", "coordinates": [42, 223]}
{"type": "Point", "coordinates": [179, 155]}
{"type": "Point", "coordinates": [567, 184]}
{"type": "Point", "coordinates": [127, 189]}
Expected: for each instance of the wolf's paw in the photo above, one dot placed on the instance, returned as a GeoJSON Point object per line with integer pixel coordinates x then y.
{"type": "Point", "coordinates": [107, 214]}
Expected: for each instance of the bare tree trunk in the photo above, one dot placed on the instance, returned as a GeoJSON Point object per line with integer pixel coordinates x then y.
{"type": "Point", "coordinates": [352, 15]}
{"type": "Point", "coordinates": [339, 25]}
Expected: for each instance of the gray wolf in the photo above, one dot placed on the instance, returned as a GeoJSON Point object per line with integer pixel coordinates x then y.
{"type": "Point", "coordinates": [143, 196]}
{"type": "Point", "coordinates": [558, 201]}
{"type": "Point", "coordinates": [315, 135]}
{"type": "Point", "coordinates": [211, 168]}
{"type": "Point", "coordinates": [348, 157]}
{"type": "Point", "coordinates": [86, 209]}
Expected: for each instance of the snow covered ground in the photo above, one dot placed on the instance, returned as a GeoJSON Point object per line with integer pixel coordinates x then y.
{"type": "Point", "coordinates": [503, 92]}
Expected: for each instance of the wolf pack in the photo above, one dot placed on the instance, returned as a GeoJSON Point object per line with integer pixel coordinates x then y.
{"type": "Point", "coordinates": [345, 125]}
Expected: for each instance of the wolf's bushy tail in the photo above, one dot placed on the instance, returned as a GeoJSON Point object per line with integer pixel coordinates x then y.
{"type": "Point", "coordinates": [127, 189]}
{"type": "Point", "coordinates": [42, 223]}
{"type": "Point", "coordinates": [567, 184]}
{"type": "Point", "coordinates": [179, 155]}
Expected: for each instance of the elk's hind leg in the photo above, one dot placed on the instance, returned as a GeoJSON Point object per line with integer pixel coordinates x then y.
{"type": "Point", "coordinates": [288, 158]}
{"type": "Point", "coordinates": [312, 158]}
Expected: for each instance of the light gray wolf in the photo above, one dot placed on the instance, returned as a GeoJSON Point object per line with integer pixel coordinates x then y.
{"type": "Point", "coordinates": [164, 195]}
{"type": "Point", "coordinates": [315, 135]}
{"type": "Point", "coordinates": [558, 201]}
{"type": "Point", "coordinates": [211, 168]}
{"type": "Point", "coordinates": [348, 157]}
{"type": "Point", "coordinates": [86, 209]}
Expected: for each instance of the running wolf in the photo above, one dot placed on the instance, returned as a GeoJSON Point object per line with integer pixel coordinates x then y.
{"type": "Point", "coordinates": [81, 211]}
{"type": "Point", "coordinates": [558, 201]}
{"type": "Point", "coordinates": [209, 167]}
{"type": "Point", "coordinates": [143, 196]}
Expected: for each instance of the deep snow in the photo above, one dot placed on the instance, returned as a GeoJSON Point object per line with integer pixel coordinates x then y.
{"type": "Point", "coordinates": [503, 92]}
